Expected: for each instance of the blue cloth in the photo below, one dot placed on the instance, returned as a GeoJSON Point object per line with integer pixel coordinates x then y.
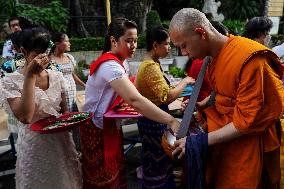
{"type": "Point", "coordinates": [196, 158]}
{"type": "Point", "coordinates": [187, 91]}
{"type": "Point", "coordinates": [9, 66]}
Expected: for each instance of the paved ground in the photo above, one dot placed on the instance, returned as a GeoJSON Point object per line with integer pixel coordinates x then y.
{"type": "Point", "coordinates": [7, 162]}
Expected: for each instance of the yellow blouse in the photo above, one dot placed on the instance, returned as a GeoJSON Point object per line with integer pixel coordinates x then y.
{"type": "Point", "coordinates": [151, 83]}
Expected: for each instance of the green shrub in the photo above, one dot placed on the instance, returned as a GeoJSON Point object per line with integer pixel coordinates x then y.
{"type": "Point", "coordinates": [166, 24]}
{"type": "Point", "coordinates": [87, 44]}
{"type": "Point", "coordinates": [277, 39]}
{"type": "Point", "coordinates": [241, 9]}
{"type": "Point", "coordinates": [96, 43]}
{"type": "Point", "coordinates": [236, 27]}
{"type": "Point", "coordinates": [177, 72]}
{"type": "Point", "coordinates": [91, 43]}
{"type": "Point", "coordinates": [152, 19]}
{"type": "Point", "coordinates": [82, 65]}
{"type": "Point", "coordinates": [141, 42]}
{"type": "Point", "coordinates": [7, 8]}
{"type": "Point", "coordinates": [54, 16]}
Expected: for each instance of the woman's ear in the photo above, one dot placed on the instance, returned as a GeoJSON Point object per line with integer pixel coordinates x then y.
{"type": "Point", "coordinates": [155, 45]}
{"type": "Point", "coordinates": [113, 41]}
{"type": "Point", "coordinates": [23, 51]}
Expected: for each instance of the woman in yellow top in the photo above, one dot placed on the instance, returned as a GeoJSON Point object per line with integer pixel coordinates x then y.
{"type": "Point", "coordinates": [151, 83]}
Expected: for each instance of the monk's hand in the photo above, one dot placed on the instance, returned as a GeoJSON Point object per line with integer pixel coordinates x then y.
{"type": "Point", "coordinates": [203, 104]}
{"type": "Point", "coordinates": [179, 146]}
{"type": "Point", "coordinates": [184, 105]}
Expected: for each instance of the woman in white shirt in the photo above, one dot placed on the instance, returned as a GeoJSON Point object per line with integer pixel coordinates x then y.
{"type": "Point", "coordinates": [102, 157]}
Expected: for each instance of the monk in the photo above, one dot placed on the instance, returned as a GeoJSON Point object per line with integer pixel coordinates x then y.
{"type": "Point", "coordinates": [243, 125]}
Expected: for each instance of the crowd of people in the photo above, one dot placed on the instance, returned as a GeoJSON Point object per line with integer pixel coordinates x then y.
{"type": "Point", "coordinates": [239, 106]}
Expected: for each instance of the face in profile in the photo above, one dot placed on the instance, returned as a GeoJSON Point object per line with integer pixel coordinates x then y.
{"type": "Point", "coordinates": [163, 49]}
{"type": "Point", "coordinates": [64, 45]}
{"type": "Point", "coordinates": [264, 39]}
{"type": "Point", "coordinates": [191, 44]}
{"type": "Point", "coordinates": [127, 43]}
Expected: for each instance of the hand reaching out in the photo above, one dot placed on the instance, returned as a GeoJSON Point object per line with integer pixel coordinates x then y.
{"type": "Point", "coordinates": [184, 105]}
{"type": "Point", "coordinates": [179, 146]}
{"type": "Point", "coordinates": [188, 80]}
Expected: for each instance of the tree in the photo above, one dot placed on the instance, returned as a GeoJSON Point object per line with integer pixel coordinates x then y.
{"type": "Point", "coordinates": [8, 8]}
{"type": "Point", "coordinates": [77, 21]}
{"type": "Point", "coordinates": [53, 16]}
{"type": "Point", "coordinates": [135, 10]}
{"type": "Point", "coordinates": [152, 20]}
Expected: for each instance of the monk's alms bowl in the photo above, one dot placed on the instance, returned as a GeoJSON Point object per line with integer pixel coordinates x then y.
{"type": "Point", "coordinates": [168, 140]}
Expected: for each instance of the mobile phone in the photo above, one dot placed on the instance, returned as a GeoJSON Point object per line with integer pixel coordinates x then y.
{"type": "Point", "coordinates": [48, 50]}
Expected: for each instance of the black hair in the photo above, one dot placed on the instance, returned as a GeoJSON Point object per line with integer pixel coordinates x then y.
{"type": "Point", "coordinates": [220, 27]}
{"type": "Point", "coordinates": [35, 39]}
{"type": "Point", "coordinates": [16, 38]}
{"type": "Point", "coordinates": [26, 22]}
{"type": "Point", "coordinates": [57, 37]}
{"type": "Point", "coordinates": [156, 34]}
{"type": "Point", "coordinates": [257, 26]}
{"type": "Point", "coordinates": [117, 28]}
{"type": "Point", "coordinates": [11, 19]}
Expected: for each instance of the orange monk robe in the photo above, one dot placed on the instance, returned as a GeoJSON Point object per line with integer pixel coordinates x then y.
{"type": "Point", "coordinates": [246, 77]}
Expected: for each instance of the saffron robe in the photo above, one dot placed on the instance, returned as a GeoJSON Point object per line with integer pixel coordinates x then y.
{"type": "Point", "coordinates": [246, 77]}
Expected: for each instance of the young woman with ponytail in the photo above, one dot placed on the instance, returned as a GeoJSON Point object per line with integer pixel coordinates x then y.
{"type": "Point", "coordinates": [101, 142]}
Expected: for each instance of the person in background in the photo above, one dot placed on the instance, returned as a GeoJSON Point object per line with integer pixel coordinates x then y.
{"type": "Point", "coordinates": [14, 60]}
{"type": "Point", "coordinates": [66, 64]}
{"type": "Point", "coordinates": [279, 50]}
{"type": "Point", "coordinates": [8, 51]}
{"type": "Point", "coordinates": [258, 29]}
{"type": "Point", "coordinates": [157, 167]}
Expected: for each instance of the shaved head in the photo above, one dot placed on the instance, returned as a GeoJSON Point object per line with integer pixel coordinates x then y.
{"type": "Point", "coordinates": [187, 19]}
{"type": "Point", "coordinates": [194, 35]}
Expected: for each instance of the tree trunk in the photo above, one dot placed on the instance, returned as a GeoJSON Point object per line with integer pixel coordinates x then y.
{"type": "Point", "coordinates": [266, 7]}
{"type": "Point", "coordinates": [134, 10]}
{"type": "Point", "coordinates": [77, 21]}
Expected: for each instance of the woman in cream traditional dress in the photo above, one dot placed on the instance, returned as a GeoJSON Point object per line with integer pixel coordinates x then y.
{"type": "Point", "coordinates": [44, 161]}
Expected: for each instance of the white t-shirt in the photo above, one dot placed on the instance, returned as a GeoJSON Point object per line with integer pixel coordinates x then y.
{"type": "Point", "coordinates": [8, 50]}
{"type": "Point", "coordinates": [279, 50]}
{"type": "Point", "coordinates": [99, 94]}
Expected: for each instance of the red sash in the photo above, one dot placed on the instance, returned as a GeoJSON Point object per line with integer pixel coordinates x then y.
{"type": "Point", "coordinates": [96, 64]}
{"type": "Point", "coordinates": [103, 58]}
{"type": "Point", "coordinates": [113, 158]}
